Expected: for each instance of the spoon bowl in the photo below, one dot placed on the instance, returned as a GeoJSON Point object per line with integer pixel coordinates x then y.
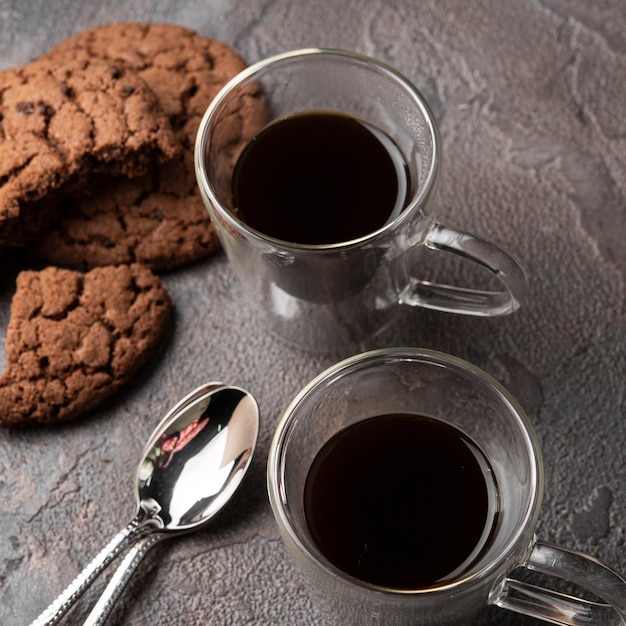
{"type": "Point", "coordinates": [197, 457]}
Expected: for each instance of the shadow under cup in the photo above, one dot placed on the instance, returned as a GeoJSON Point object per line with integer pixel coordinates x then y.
{"type": "Point", "coordinates": [413, 381]}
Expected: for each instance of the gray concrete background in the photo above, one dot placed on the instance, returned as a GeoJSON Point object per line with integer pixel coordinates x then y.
{"type": "Point", "coordinates": [530, 95]}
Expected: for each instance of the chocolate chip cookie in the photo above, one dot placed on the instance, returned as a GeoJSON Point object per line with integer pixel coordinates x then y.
{"type": "Point", "coordinates": [74, 339]}
{"type": "Point", "coordinates": [158, 219]}
{"type": "Point", "coordinates": [62, 122]}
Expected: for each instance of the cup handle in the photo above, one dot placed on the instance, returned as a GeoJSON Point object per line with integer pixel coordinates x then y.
{"type": "Point", "coordinates": [469, 301]}
{"type": "Point", "coordinates": [558, 608]}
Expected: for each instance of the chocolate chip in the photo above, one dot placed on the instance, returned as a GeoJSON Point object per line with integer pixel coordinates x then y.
{"type": "Point", "coordinates": [25, 107]}
{"type": "Point", "coordinates": [208, 59]}
{"type": "Point", "coordinates": [104, 241]}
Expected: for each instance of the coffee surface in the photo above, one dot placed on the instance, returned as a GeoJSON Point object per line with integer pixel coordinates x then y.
{"type": "Point", "coordinates": [402, 501]}
{"type": "Point", "coordinates": [319, 178]}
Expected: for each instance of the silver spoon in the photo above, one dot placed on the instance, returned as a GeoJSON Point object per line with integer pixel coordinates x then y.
{"type": "Point", "coordinates": [133, 558]}
{"type": "Point", "coordinates": [191, 466]}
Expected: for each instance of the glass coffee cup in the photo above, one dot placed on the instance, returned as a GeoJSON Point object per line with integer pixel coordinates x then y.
{"type": "Point", "coordinates": [316, 293]}
{"type": "Point", "coordinates": [454, 393]}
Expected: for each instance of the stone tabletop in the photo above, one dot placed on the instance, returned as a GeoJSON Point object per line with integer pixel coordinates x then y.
{"type": "Point", "coordinates": [531, 99]}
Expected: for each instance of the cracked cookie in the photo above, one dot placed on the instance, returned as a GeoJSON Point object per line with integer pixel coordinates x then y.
{"type": "Point", "coordinates": [60, 123]}
{"type": "Point", "coordinates": [159, 219]}
{"type": "Point", "coordinates": [74, 339]}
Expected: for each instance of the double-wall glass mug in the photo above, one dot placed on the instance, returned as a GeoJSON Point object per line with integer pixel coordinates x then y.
{"type": "Point", "coordinates": [345, 292]}
{"type": "Point", "coordinates": [423, 382]}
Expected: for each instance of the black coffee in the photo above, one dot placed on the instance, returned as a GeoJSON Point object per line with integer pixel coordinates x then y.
{"type": "Point", "coordinates": [319, 178]}
{"type": "Point", "coordinates": [402, 501]}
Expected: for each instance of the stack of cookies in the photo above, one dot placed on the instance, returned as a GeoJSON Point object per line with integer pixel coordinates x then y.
{"type": "Point", "coordinates": [97, 181]}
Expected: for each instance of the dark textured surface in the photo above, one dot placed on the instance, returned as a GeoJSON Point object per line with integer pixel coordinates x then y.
{"type": "Point", "coordinates": [530, 96]}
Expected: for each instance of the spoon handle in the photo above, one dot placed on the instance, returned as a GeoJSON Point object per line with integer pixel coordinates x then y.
{"type": "Point", "coordinates": [120, 578]}
{"type": "Point", "coordinates": [53, 614]}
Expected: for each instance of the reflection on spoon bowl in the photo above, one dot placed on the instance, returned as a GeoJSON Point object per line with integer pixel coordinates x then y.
{"type": "Point", "coordinates": [195, 461]}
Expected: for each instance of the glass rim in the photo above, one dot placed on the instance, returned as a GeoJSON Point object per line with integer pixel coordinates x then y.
{"type": "Point", "coordinates": [421, 197]}
{"type": "Point", "coordinates": [275, 467]}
